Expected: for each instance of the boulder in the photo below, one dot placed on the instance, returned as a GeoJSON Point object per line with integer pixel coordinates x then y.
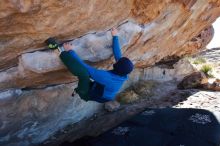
{"type": "Point", "coordinates": [215, 86]}
{"type": "Point", "coordinates": [35, 87]}
{"type": "Point", "coordinates": [194, 80]}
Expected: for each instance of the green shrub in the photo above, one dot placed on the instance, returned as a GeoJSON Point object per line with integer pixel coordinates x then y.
{"type": "Point", "coordinates": [199, 60]}
{"type": "Point", "coordinates": [207, 69]}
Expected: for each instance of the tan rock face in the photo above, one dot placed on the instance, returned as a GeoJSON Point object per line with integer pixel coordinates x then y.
{"type": "Point", "coordinates": [149, 31]}
{"type": "Point", "coordinates": [25, 24]}
{"type": "Point", "coordinates": [197, 43]}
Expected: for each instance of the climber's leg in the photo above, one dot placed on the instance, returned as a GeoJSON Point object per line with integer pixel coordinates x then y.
{"type": "Point", "coordinates": [77, 69]}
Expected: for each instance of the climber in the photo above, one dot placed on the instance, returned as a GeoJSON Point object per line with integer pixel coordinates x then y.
{"type": "Point", "coordinates": [105, 84]}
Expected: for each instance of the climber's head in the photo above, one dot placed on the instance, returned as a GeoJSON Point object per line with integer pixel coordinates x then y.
{"type": "Point", "coordinates": [123, 66]}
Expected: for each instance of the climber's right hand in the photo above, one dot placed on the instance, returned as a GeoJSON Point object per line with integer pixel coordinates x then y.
{"type": "Point", "coordinates": [114, 32]}
{"type": "Point", "coordinates": [67, 46]}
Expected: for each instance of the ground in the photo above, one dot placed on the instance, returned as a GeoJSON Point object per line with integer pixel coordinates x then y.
{"type": "Point", "coordinates": [209, 57]}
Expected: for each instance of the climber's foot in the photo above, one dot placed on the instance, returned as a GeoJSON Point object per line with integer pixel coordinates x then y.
{"type": "Point", "coordinates": [112, 106]}
{"type": "Point", "coordinates": [52, 43]}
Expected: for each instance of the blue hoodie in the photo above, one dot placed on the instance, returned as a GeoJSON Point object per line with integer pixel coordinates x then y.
{"type": "Point", "coordinates": [110, 81]}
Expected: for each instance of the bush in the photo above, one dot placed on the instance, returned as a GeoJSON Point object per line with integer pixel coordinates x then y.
{"type": "Point", "coordinates": [140, 90]}
{"type": "Point", "coordinates": [199, 60]}
{"type": "Point", "coordinates": [207, 69]}
{"type": "Point", "coordinates": [127, 96]}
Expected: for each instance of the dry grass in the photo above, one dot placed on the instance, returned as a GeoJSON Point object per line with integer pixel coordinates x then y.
{"type": "Point", "coordinates": [207, 70]}
{"type": "Point", "coordinates": [140, 90]}
{"type": "Point", "coordinates": [199, 60]}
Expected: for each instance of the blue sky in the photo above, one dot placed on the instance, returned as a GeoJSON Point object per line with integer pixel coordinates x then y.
{"type": "Point", "coordinates": [216, 39]}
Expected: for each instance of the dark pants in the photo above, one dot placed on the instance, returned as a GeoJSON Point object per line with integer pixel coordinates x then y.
{"type": "Point", "coordinates": [80, 71]}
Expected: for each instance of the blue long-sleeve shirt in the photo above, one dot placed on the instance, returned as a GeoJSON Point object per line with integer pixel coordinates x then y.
{"type": "Point", "coordinates": [112, 82]}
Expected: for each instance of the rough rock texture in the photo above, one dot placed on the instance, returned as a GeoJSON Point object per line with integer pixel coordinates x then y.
{"type": "Point", "coordinates": [33, 82]}
{"type": "Point", "coordinates": [197, 43]}
{"type": "Point", "coordinates": [29, 117]}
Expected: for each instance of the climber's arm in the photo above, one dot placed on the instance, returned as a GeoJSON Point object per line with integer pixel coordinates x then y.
{"type": "Point", "coordinates": [116, 45]}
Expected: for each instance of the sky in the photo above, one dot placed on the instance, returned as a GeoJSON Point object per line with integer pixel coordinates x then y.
{"type": "Point", "coordinates": [216, 39]}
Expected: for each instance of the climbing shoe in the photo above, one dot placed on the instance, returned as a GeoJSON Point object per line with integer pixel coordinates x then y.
{"type": "Point", "coordinates": [52, 43]}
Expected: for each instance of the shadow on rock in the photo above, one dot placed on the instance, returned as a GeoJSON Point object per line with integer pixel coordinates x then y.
{"type": "Point", "coordinates": [161, 127]}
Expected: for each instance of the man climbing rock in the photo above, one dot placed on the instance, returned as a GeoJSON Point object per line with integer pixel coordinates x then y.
{"type": "Point", "coordinates": [106, 83]}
